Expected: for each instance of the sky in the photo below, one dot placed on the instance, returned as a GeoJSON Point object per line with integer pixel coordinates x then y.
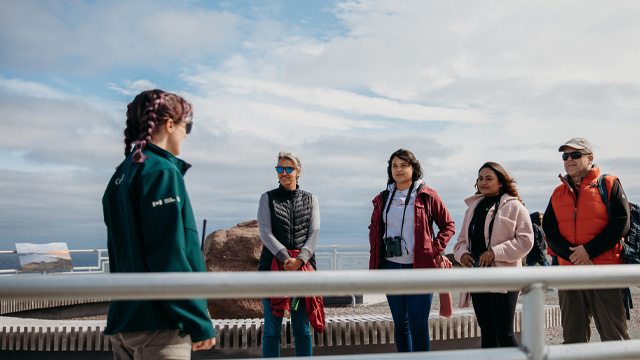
{"type": "Point", "coordinates": [343, 84]}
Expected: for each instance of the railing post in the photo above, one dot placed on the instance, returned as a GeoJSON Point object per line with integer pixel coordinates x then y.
{"type": "Point", "coordinates": [533, 321]}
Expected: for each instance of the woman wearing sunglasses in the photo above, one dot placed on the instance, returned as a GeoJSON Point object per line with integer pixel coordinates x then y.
{"type": "Point", "coordinates": [401, 237]}
{"type": "Point", "coordinates": [289, 223]}
{"type": "Point", "coordinates": [496, 232]}
{"type": "Point", "coordinates": [151, 228]}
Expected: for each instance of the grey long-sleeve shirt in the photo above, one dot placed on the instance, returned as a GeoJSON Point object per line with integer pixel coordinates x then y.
{"type": "Point", "coordinates": [270, 241]}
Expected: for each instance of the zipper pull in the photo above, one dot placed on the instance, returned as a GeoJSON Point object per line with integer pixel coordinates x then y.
{"type": "Point", "coordinates": [575, 210]}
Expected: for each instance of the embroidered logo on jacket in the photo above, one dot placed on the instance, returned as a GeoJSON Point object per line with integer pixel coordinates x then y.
{"type": "Point", "coordinates": [168, 200]}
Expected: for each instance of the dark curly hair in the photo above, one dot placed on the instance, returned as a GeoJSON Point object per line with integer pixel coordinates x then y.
{"type": "Point", "coordinates": [407, 156]}
{"type": "Point", "coordinates": [146, 112]}
{"type": "Point", "coordinates": [508, 183]}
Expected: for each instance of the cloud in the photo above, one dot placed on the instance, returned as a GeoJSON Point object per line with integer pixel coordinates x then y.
{"type": "Point", "coordinates": [86, 36]}
{"type": "Point", "coordinates": [484, 56]}
{"type": "Point", "coordinates": [29, 88]}
{"type": "Point", "coordinates": [57, 132]}
{"type": "Point", "coordinates": [133, 88]}
{"type": "Point", "coordinates": [334, 100]}
{"type": "Point", "coordinates": [457, 83]}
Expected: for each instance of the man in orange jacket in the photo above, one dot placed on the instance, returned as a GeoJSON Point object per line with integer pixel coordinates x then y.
{"type": "Point", "coordinates": [580, 232]}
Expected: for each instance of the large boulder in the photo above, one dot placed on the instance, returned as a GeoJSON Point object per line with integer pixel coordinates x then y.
{"type": "Point", "coordinates": [235, 249]}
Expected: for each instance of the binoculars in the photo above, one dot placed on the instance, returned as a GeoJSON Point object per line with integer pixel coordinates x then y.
{"type": "Point", "coordinates": [393, 246]}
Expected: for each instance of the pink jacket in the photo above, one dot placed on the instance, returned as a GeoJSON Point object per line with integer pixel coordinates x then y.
{"type": "Point", "coordinates": [512, 236]}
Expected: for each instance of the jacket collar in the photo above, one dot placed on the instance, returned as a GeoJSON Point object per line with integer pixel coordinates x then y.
{"type": "Point", "coordinates": [592, 176]}
{"type": "Point", "coordinates": [182, 165]}
{"type": "Point", "coordinates": [291, 193]}
{"type": "Point", "coordinates": [417, 185]}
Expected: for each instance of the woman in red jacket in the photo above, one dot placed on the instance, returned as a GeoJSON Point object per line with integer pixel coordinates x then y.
{"type": "Point", "coordinates": [401, 237]}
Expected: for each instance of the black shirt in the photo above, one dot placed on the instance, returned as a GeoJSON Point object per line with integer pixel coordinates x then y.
{"type": "Point", "coordinates": [476, 227]}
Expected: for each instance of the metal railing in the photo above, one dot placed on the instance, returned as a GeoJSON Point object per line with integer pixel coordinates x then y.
{"type": "Point", "coordinates": [342, 257]}
{"type": "Point", "coordinates": [101, 267]}
{"type": "Point", "coordinates": [532, 282]}
{"type": "Point", "coordinates": [332, 257]}
{"type": "Point", "coordinates": [329, 257]}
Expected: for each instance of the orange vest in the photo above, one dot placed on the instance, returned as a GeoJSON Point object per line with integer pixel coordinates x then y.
{"type": "Point", "coordinates": [579, 221]}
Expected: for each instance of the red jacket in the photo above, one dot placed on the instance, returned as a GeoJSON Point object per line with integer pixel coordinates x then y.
{"type": "Point", "coordinates": [314, 305]}
{"type": "Point", "coordinates": [428, 207]}
{"type": "Point", "coordinates": [580, 220]}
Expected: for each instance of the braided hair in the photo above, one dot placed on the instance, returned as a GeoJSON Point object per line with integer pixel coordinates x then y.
{"type": "Point", "coordinates": [146, 113]}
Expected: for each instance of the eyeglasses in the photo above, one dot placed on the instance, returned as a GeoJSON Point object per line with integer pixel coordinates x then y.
{"type": "Point", "coordinates": [574, 155]}
{"type": "Point", "coordinates": [288, 169]}
{"type": "Point", "coordinates": [189, 126]}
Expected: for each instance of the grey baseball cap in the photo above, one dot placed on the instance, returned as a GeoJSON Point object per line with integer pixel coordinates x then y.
{"type": "Point", "coordinates": [578, 143]}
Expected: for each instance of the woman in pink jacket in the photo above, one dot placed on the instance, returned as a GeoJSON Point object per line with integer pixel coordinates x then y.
{"type": "Point", "coordinates": [496, 231]}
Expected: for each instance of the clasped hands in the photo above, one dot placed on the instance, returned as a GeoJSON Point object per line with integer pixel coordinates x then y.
{"type": "Point", "coordinates": [293, 264]}
{"type": "Point", "coordinates": [485, 259]}
{"type": "Point", "coordinates": [580, 256]}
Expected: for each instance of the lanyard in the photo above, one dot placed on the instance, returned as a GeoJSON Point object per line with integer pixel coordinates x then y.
{"type": "Point", "coordinates": [406, 202]}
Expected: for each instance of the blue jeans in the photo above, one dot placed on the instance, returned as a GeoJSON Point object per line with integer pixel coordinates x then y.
{"type": "Point", "coordinates": [410, 316]}
{"type": "Point", "coordinates": [545, 262]}
{"type": "Point", "coordinates": [273, 327]}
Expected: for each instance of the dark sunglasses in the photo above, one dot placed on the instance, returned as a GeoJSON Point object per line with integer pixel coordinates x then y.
{"type": "Point", "coordinates": [288, 169]}
{"type": "Point", "coordinates": [189, 126]}
{"type": "Point", "coordinates": [574, 155]}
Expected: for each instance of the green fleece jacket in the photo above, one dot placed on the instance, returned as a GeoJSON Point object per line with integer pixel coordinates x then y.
{"type": "Point", "coordinates": [151, 228]}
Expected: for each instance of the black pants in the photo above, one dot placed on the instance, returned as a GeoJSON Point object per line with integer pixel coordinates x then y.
{"type": "Point", "coordinates": [495, 313]}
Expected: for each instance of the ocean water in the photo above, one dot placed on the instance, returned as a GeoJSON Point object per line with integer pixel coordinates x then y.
{"type": "Point", "coordinates": [324, 257]}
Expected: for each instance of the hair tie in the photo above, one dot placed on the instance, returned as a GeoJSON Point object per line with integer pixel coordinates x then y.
{"type": "Point", "coordinates": [138, 156]}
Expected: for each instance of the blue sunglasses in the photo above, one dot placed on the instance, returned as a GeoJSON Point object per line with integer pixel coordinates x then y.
{"type": "Point", "coordinates": [288, 169]}
{"type": "Point", "coordinates": [189, 126]}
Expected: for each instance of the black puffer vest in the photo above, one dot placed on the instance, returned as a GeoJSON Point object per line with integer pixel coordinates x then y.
{"type": "Point", "coordinates": [290, 218]}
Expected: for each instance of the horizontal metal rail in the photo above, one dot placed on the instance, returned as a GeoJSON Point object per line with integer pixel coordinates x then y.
{"type": "Point", "coordinates": [70, 251]}
{"type": "Point", "coordinates": [532, 281]}
{"type": "Point", "coordinates": [338, 257]}
{"type": "Point", "coordinates": [250, 285]}
{"type": "Point", "coordinates": [101, 266]}
{"type": "Point", "coordinates": [475, 354]}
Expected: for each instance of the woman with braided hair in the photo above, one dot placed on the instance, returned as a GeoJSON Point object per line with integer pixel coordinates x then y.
{"type": "Point", "coordinates": [151, 228]}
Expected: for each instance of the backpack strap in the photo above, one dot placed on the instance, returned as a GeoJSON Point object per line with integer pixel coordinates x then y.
{"type": "Point", "coordinates": [604, 194]}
